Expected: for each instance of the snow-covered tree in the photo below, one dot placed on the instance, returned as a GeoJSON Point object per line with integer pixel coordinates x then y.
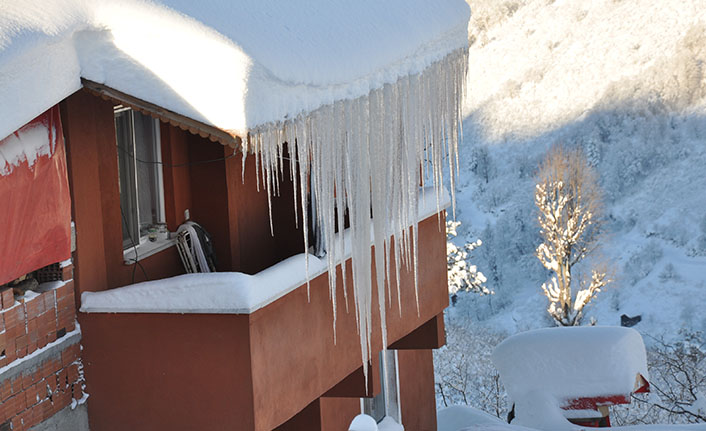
{"type": "Point", "coordinates": [568, 197]}
{"type": "Point", "coordinates": [677, 384]}
{"type": "Point", "coordinates": [463, 371]}
{"type": "Point", "coordinates": [462, 275]}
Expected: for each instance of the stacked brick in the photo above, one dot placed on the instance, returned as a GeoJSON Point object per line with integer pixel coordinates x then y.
{"type": "Point", "coordinates": [33, 323]}
{"type": "Point", "coordinates": [54, 378]}
{"type": "Point", "coordinates": [37, 394]}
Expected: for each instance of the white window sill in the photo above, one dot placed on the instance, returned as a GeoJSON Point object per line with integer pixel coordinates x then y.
{"type": "Point", "coordinates": [146, 249]}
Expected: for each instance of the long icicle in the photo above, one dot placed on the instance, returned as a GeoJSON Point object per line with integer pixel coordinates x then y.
{"type": "Point", "coordinates": [370, 155]}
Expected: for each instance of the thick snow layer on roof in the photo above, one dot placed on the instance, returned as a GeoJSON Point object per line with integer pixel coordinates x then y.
{"type": "Point", "coordinates": [230, 64]}
{"type": "Point", "coordinates": [572, 362]}
{"type": "Point", "coordinates": [363, 92]}
{"type": "Point", "coordinates": [226, 292]}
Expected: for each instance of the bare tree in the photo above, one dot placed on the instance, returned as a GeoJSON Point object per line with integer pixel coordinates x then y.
{"type": "Point", "coordinates": [569, 201]}
{"type": "Point", "coordinates": [463, 371]}
{"type": "Point", "coordinates": [677, 384]}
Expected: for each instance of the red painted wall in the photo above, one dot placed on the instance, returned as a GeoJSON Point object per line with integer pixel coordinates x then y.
{"type": "Point", "coordinates": [299, 329]}
{"type": "Point", "coordinates": [167, 372]}
{"type": "Point", "coordinates": [417, 395]}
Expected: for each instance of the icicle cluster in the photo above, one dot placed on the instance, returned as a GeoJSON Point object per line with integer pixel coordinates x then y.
{"type": "Point", "coordinates": [366, 155]}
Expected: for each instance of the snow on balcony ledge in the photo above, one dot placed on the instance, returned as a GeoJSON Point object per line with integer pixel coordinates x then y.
{"type": "Point", "coordinates": [227, 292]}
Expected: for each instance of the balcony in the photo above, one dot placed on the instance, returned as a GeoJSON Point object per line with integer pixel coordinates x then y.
{"type": "Point", "coordinates": [233, 351]}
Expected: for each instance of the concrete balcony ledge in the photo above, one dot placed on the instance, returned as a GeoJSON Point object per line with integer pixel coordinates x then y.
{"type": "Point", "coordinates": [228, 292]}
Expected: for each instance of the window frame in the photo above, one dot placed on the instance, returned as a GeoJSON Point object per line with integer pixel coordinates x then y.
{"type": "Point", "coordinates": [389, 369]}
{"type": "Point", "coordinates": [130, 189]}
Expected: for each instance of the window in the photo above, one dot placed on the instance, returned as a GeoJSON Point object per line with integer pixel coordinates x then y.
{"type": "Point", "coordinates": [386, 403]}
{"type": "Point", "coordinates": [140, 176]}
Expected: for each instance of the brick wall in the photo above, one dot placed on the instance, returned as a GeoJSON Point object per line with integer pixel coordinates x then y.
{"type": "Point", "coordinates": [40, 354]}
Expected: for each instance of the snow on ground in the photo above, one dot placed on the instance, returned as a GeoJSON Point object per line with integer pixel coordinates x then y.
{"type": "Point", "coordinates": [464, 418]}
{"type": "Point", "coordinates": [626, 82]}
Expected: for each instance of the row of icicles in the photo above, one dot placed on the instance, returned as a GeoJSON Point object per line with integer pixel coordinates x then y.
{"type": "Point", "coordinates": [368, 155]}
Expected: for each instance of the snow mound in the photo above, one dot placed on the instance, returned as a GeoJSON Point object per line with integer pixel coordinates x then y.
{"type": "Point", "coordinates": [214, 292]}
{"type": "Point", "coordinates": [571, 362]}
{"type": "Point", "coordinates": [454, 418]}
{"type": "Point", "coordinates": [233, 65]}
{"type": "Point", "coordinates": [363, 423]}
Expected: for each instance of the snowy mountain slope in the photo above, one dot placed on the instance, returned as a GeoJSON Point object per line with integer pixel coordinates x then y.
{"type": "Point", "coordinates": [625, 80]}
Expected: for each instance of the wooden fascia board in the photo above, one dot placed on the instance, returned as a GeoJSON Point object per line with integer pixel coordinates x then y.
{"type": "Point", "coordinates": [183, 122]}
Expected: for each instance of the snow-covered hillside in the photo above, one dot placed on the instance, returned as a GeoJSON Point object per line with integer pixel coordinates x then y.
{"type": "Point", "coordinates": [626, 81]}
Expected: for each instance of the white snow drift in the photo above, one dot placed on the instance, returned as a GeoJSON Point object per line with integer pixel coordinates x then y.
{"type": "Point", "coordinates": [544, 369]}
{"type": "Point", "coordinates": [572, 362]}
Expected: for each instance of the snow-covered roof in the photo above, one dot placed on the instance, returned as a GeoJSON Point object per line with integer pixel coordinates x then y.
{"type": "Point", "coordinates": [364, 92]}
{"type": "Point", "coordinates": [572, 362]}
{"type": "Point", "coordinates": [230, 64]}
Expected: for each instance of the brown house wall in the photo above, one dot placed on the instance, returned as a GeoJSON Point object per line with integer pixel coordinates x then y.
{"type": "Point", "coordinates": [298, 329]}
{"type": "Point", "coordinates": [167, 371]}
{"type": "Point", "coordinates": [235, 213]}
{"type": "Point", "coordinates": [417, 395]}
{"type": "Point", "coordinates": [177, 181]}
{"type": "Point", "coordinates": [152, 366]}
{"type": "Point", "coordinates": [208, 195]}
{"type": "Point", "coordinates": [337, 413]}
{"type": "Point", "coordinates": [252, 245]}
{"type": "Point", "coordinates": [324, 414]}
{"type": "Point", "coordinates": [93, 176]}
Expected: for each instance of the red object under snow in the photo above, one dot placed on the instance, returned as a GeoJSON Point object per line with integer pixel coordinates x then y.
{"type": "Point", "coordinates": [35, 204]}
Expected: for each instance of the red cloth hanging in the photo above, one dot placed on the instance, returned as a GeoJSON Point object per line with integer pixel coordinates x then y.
{"type": "Point", "coordinates": [35, 204]}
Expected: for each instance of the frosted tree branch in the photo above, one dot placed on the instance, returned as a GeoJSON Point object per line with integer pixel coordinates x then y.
{"type": "Point", "coordinates": [567, 197]}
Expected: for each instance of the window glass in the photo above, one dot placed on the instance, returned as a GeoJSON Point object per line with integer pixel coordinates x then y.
{"type": "Point", "coordinates": [139, 158]}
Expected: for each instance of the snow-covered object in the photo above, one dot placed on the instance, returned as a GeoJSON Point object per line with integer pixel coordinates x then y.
{"type": "Point", "coordinates": [462, 275]}
{"type": "Point", "coordinates": [363, 423]}
{"type": "Point", "coordinates": [571, 362]}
